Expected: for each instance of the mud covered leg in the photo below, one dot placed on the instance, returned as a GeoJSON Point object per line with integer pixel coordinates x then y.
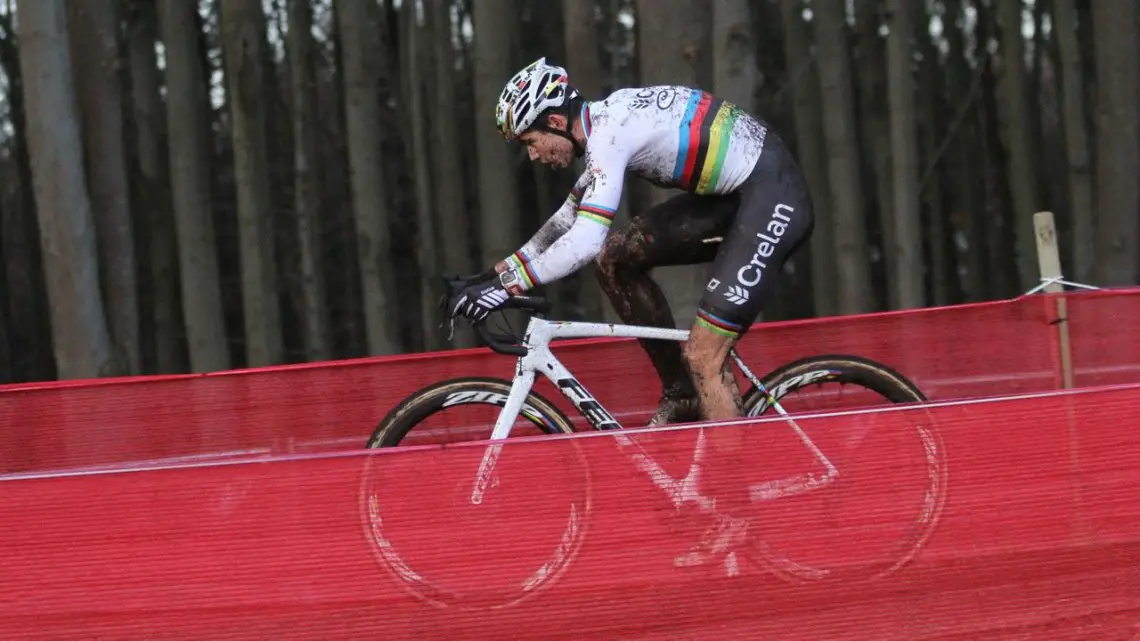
{"type": "Point", "coordinates": [639, 301]}
{"type": "Point", "coordinates": [706, 356]}
{"type": "Point", "coordinates": [677, 231]}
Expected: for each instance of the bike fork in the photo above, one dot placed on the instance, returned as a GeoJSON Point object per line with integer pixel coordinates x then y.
{"type": "Point", "coordinates": [503, 424]}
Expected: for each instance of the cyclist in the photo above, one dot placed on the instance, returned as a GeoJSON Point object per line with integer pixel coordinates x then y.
{"type": "Point", "coordinates": [745, 207]}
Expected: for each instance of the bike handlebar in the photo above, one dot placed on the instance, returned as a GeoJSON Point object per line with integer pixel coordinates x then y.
{"type": "Point", "coordinates": [500, 343]}
{"type": "Point", "coordinates": [505, 343]}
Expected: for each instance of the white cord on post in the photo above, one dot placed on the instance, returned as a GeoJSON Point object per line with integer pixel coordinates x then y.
{"type": "Point", "coordinates": [1057, 280]}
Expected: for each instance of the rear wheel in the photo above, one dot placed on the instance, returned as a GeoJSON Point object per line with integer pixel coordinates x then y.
{"type": "Point", "coordinates": [890, 485]}
{"type": "Point", "coordinates": [442, 545]}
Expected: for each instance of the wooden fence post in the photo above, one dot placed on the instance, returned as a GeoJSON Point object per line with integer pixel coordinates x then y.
{"type": "Point", "coordinates": [1049, 264]}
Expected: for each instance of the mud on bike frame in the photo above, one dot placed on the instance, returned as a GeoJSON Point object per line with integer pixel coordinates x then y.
{"type": "Point", "coordinates": [534, 357]}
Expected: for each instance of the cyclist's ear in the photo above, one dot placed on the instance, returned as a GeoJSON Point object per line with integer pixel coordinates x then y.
{"type": "Point", "coordinates": [556, 121]}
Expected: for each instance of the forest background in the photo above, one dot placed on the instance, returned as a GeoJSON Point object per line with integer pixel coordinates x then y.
{"type": "Point", "coordinates": [197, 186]}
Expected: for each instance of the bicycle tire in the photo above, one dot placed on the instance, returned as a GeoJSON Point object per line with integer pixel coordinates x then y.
{"type": "Point", "coordinates": [894, 387]}
{"type": "Point", "coordinates": [377, 515]}
{"type": "Point", "coordinates": [842, 368]}
{"type": "Point", "coordinates": [433, 398]}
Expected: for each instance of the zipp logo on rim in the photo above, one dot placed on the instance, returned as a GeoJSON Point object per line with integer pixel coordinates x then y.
{"type": "Point", "coordinates": [750, 274]}
{"type": "Point", "coordinates": [492, 398]}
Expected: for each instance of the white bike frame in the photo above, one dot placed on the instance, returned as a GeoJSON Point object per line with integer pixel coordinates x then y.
{"type": "Point", "coordinates": [539, 358]}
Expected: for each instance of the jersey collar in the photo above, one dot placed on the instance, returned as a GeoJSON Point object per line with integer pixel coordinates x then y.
{"type": "Point", "coordinates": [584, 116]}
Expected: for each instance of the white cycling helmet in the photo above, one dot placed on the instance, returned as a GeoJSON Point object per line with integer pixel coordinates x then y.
{"type": "Point", "coordinates": [529, 93]}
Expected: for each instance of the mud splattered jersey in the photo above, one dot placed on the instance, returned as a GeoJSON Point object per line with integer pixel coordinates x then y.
{"type": "Point", "coordinates": [672, 136]}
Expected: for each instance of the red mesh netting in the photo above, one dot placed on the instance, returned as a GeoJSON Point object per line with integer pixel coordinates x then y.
{"type": "Point", "coordinates": [951, 352]}
{"type": "Point", "coordinates": [1015, 519]}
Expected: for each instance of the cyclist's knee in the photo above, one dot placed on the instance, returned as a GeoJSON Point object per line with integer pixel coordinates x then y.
{"type": "Point", "coordinates": [621, 252]}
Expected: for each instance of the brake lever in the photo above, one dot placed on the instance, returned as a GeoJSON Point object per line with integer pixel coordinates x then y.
{"type": "Point", "coordinates": [450, 329]}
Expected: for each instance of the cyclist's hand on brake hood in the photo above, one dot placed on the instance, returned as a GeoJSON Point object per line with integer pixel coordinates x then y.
{"type": "Point", "coordinates": [478, 300]}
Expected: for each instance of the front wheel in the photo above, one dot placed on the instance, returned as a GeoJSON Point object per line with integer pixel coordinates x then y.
{"type": "Point", "coordinates": [890, 486]}
{"type": "Point", "coordinates": [443, 543]}
{"type": "Point", "coordinates": [463, 409]}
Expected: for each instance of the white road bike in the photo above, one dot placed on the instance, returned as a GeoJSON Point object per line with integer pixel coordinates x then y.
{"type": "Point", "coordinates": [518, 404]}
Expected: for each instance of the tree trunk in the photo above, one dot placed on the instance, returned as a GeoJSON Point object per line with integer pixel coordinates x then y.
{"type": "Point", "coordinates": [1118, 142]}
{"type": "Point", "coordinates": [1076, 128]}
{"type": "Point", "coordinates": [19, 235]}
{"type": "Point", "coordinates": [584, 62]}
{"type": "Point", "coordinates": [448, 187]}
{"type": "Point", "coordinates": [1017, 115]}
{"type": "Point", "coordinates": [188, 123]}
{"type": "Point", "coordinates": [416, 121]}
{"type": "Point", "coordinates": [94, 44]}
{"type": "Point", "coordinates": [934, 114]}
{"type": "Point", "coordinates": [157, 216]}
{"type": "Point", "coordinates": [67, 228]}
{"type": "Point", "coordinates": [673, 48]}
{"type": "Point", "coordinates": [807, 112]}
{"type": "Point", "coordinates": [855, 292]}
{"type": "Point", "coordinates": [363, 59]}
{"type": "Point", "coordinates": [906, 254]}
{"type": "Point", "coordinates": [1001, 269]}
{"type": "Point", "coordinates": [499, 219]}
{"type": "Point", "coordinates": [869, 64]}
{"type": "Point", "coordinates": [7, 372]}
{"type": "Point", "coordinates": [242, 38]}
{"type": "Point", "coordinates": [346, 305]}
{"type": "Point", "coordinates": [967, 215]}
{"type": "Point", "coordinates": [307, 186]}
{"type": "Point", "coordinates": [733, 55]}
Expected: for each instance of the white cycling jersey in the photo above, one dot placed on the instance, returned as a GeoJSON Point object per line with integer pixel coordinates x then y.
{"type": "Point", "coordinates": [669, 135]}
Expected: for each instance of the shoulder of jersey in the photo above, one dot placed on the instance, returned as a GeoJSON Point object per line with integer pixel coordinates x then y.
{"type": "Point", "coordinates": [625, 105]}
{"type": "Point", "coordinates": [633, 94]}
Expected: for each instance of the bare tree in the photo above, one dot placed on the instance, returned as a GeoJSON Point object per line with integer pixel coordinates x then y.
{"type": "Point", "coordinates": [24, 279]}
{"type": "Point", "coordinates": [187, 118]}
{"type": "Point", "coordinates": [499, 218]}
{"type": "Point", "coordinates": [67, 228]}
{"type": "Point", "coordinates": [1076, 128]}
{"type": "Point", "coordinates": [94, 43]}
{"type": "Point", "coordinates": [807, 113]}
{"type": "Point", "coordinates": [415, 46]}
{"type": "Point", "coordinates": [873, 127]}
{"type": "Point", "coordinates": [1017, 114]}
{"type": "Point", "coordinates": [967, 215]}
{"type": "Point", "coordinates": [584, 62]}
{"type": "Point", "coordinates": [907, 284]}
{"type": "Point", "coordinates": [243, 32]}
{"type": "Point", "coordinates": [932, 116]}
{"type": "Point", "coordinates": [153, 188]}
{"type": "Point", "coordinates": [307, 188]}
{"type": "Point", "coordinates": [363, 59]}
{"type": "Point", "coordinates": [855, 292]}
{"type": "Point", "coordinates": [734, 52]}
{"type": "Point", "coordinates": [1118, 141]}
{"type": "Point", "coordinates": [447, 173]}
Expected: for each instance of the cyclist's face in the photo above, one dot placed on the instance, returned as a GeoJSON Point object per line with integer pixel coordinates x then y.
{"type": "Point", "coordinates": [548, 148]}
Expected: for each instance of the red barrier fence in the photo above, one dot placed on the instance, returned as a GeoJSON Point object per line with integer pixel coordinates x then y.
{"type": "Point", "coordinates": [992, 348]}
{"type": "Point", "coordinates": [1012, 519]}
